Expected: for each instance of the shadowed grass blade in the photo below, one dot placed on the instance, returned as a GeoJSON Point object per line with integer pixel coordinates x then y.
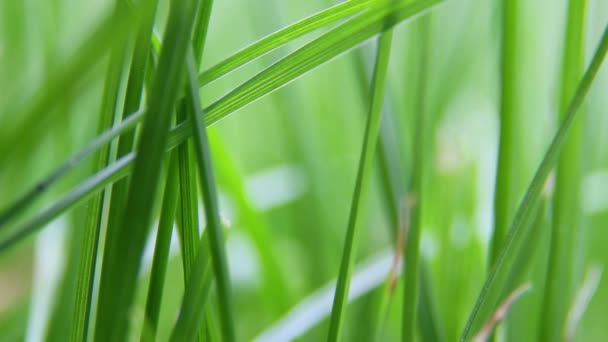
{"type": "Point", "coordinates": [119, 272]}
{"type": "Point", "coordinates": [161, 249]}
{"type": "Point", "coordinates": [493, 288]}
{"type": "Point", "coordinates": [363, 175]}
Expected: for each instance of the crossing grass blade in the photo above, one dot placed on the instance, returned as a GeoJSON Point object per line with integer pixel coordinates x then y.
{"type": "Point", "coordinates": [493, 288]}
{"type": "Point", "coordinates": [309, 57]}
{"type": "Point", "coordinates": [363, 175]}
{"type": "Point", "coordinates": [120, 268]}
{"type": "Point", "coordinates": [566, 232]}
{"type": "Point", "coordinates": [281, 37]}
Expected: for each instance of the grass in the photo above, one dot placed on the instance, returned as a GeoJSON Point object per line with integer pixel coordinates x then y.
{"type": "Point", "coordinates": [246, 127]}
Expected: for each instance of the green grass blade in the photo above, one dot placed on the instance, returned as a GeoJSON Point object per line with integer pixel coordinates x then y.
{"type": "Point", "coordinates": [92, 227]}
{"type": "Point", "coordinates": [119, 272]}
{"type": "Point", "coordinates": [563, 258]}
{"type": "Point", "coordinates": [288, 69]}
{"type": "Point", "coordinates": [161, 249]}
{"type": "Point", "coordinates": [214, 227]}
{"type": "Point", "coordinates": [201, 27]}
{"type": "Point", "coordinates": [493, 288]}
{"type": "Point", "coordinates": [34, 112]}
{"type": "Point", "coordinates": [132, 102]}
{"type": "Point", "coordinates": [85, 190]}
{"type": "Point", "coordinates": [188, 222]}
{"type": "Point", "coordinates": [103, 139]}
{"type": "Point", "coordinates": [315, 53]}
{"type": "Point", "coordinates": [194, 306]}
{"type": "Point", "coordinates": [276, 289]}
{"type": "Point", "coordinates": [363, 173]}
{"type": "Point", "coordinates": [284, 36]}
{"type": "Point", "coordinates": [504, 196]}
{"type": "Point", "coordinates": [411, 263]}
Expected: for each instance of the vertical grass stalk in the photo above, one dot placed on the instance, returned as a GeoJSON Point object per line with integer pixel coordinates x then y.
{"type": "Point", "coordinates": [411, 262]}
{"type": "Point", "coordinates": [209, 192]}
{"type": "Point", "coordinates": [119, 272]}
{"type": "Point", "coordinates": [504, 196]}
{"type": "Point", "coordinates": [566, 214]}
{"type": "Point", "coordinates": [498, 277]}
{"type": "Point", "coordinates": [92, 227]}
{"type": "Point", "coordinates": [161, 248]}
{"type": "Point", "coordinates": [363, 175]}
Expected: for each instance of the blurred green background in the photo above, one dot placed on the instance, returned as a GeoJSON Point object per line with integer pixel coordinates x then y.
{"type": "Point", "coordinates": [286, 164]}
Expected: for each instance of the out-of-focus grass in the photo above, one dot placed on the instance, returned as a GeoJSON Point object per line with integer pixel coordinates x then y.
{"type": "Point", "coordinates": [286, 163]}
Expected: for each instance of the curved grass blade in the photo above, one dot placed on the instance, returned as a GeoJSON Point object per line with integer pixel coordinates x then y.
{"type": "Point", "coordinates": [561, 274]}
{"type": "Point", "coordinates": [288, 69]}
{"type": "Point", "coordinates": [284, 36]}
{"type": "Point", "coordinates": [317, 52]}
{"type": "Point", "coordinates": [411, 262]}
{"type": "Point", "coordinates": [497, 278]}
{"type": "Point", "coordinates": [363, 173]}
{"type": "Point", "coordinates": [119, 272]}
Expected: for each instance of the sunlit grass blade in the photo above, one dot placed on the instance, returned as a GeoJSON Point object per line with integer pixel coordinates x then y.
{"type": "Point", "coordinates": [411, 263]}
{"type": "Point", "coordinates": [315, 53]}
{"type": "Point", "coordinates": [363, 175]}
{"type": "Point", "coordinates": [566, 232]}
{"type": "Point", "coordinates": [497, 278]}
{"type": "Point", "coordinates": [208, 189]}
{"type": "Point", "coordinates": [161, 249]}
{"type": "Point", "coordinates": [504, 196]}
{"type": "Point", "coordinates": [283, 36]}
{"type": "Point", "coordinates": [119, 272]}
{"type": "Point", "coordinates": [337, 41]}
